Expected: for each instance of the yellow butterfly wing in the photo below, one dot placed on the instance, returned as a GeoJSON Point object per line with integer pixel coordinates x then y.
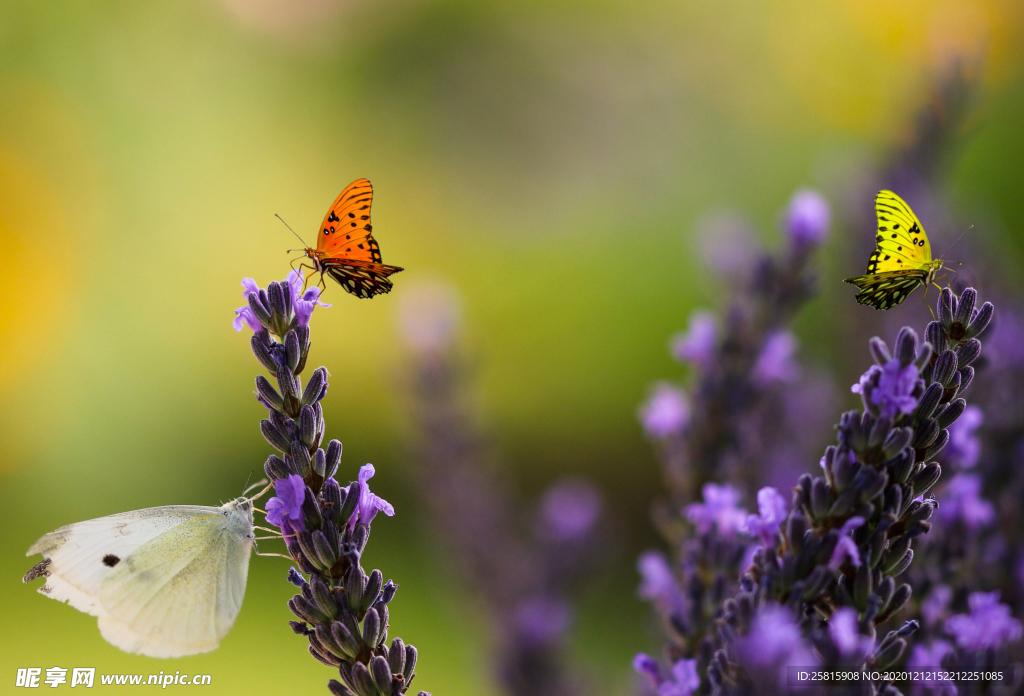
{"type": "Point", "coordinates": [902, 258]}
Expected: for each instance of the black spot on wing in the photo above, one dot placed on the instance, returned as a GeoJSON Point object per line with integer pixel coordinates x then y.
{"type": "Point", "coordinates": [110, 560]}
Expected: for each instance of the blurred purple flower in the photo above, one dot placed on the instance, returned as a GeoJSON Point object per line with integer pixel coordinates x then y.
{"type": "Point", "coordinates": [369, 503]}
{"type": "Point", "coordinates": [697, 344]}
{"type": "Point", "coordinates": [989, 625]}
{"type": "Point", "coordinates": [727, 242]}
{"type": "Point", "coordinates": [666, 412]}
{"type": "Point", "coordinates": [929, 655]}
{"type": "Point", "coordinates": [719, 510]}
{"type": "Point", "coordinates": [657, 581]}
{"type": "Point", "coordinates": [894, 389]}
{"type": "Point", "coordinates": [807, 218]}
{"type": "Point", "coordinates": [846, 547]}
{"type": "Point", "coordinates": [775, 640]}
{"type": "Point", "coordinates": [569, 510]}
{"type": "Point", "coordinates": [775, 362]}
{"type": "Point", "coordinates": [962, 501]}
{"type": "Point", "coordinates": [935, 605]}
{"type": "Point", "coordinates": [542, 620]}
{"type": "Point", "coordinates": [244, 314]}
{"type": "Point", "coordinates": [287, 504]}
{"type": "Point", "coordinates": [772, 508]}
{"type": "Point", "coordinates": [963, 447]}
{"type": "Point", "coordinates": [846, 634]}
{"type": "Point", "coordinates": [683, 682]}
{"type": "Point", "coordinates": [429, 316]}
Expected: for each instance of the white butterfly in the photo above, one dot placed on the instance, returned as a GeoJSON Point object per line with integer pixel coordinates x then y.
{"type": "Point", "coordinates": [164, 581]}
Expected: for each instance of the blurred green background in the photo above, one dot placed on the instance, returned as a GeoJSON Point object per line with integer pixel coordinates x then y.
{"type": "Point", "coordinates": [551, 160]}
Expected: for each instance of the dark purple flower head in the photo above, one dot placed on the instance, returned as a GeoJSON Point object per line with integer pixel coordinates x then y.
{"type": "Point", "coordinates": [569, 510]}
{"type": "Point", "coordinates": [772, 509]}
{"type": "Point", "coordinates": [989, 625]}
{"type": "Point", "coordinates": [697, 344]}
{"type": "Point", "coordinates": [962, 501]}
{"type": "Point", "coordinates": [244, 316]}
{"type": "Point", "coordinates": [666, 412]}
{"type": "Point", "coordinates": [963, 448]}
{"type": "Point", "coordinates": [893, 390]}
{"type": "Point", "coordinates": [807, 218]}
{"type": "Point", "coordinates": [287, 504]}
{"type": "Point", "coordinates": [683, 682]}
{"type": "Point", "coordinates": [369, 503]}
{"type": "Point", "coordinates": [775, 362]}
{"type": "Point", "coordinates": [846, 635]}
{"type": "Point", "coordinates": [542, 620]}
{"type": "Point", "coordinates": [845, 547]}
{"type": "Point", "coordinates": [719, 510]}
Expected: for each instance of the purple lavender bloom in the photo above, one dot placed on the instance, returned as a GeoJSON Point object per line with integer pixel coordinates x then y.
{"type": "Point", "coordinates": [429, 316]}
{"type": "Point", "coordinates": [369, 503]}
{"type": "Point", "coordinates": [989, 625]}
{"type": "Point", "coordinates": [569, 510]}
{"type": "Point", "coordinates": [666, 412]}
{"type": "Point", "coordinates": [719, 509]}
{"type": "Point", "coordinates": [894, 389]}
{"type": "Point", "coordinates": [727, 242]}
{"type": "Point", "coordinates": [964, 448]}
{"type": "Point", "coordinates": [286, 506]}
{"type": "Point", "coordinates": [658, 582]}
{"type": "Point", "coordinates": [683, 682]}
{"type": "Point", "coordinates": [244, 315]}
{"type": "Point", "coordinates": [845, 547]}
{"type": "Point", "coordinates": [303, 302]}
{"type": "Point", "coordinates": [962, 501]}
{"type": "Point", "coordinates": [775, 640]}
{"type": "Point", "coordinates": [929, 655]}
{"type": "Point", "coordinates": [697, 344]}
{"type": "Point", "coordinates": [846, 635]}
{"type": "Point", "coordinates": [807, 219]}
{"type": "Point", "coordinates": [542, 620]}
{"type": "Point", "coordinates": [933, 608]}
{"type": "Point", "coordinates": [775, 362]}
{"type": "Point", "coordinates": [772, 509]}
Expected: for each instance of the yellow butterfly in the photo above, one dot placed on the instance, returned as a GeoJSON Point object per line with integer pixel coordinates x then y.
{"type": "Point", "coordinates": [902, 260]}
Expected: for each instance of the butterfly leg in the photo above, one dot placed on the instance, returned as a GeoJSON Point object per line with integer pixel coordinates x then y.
{"type": "Point", "coordinates": [924, 298]}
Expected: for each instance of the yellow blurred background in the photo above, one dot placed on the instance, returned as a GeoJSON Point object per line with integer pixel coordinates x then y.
{"type": "Point", "coordinates": [550, 160]}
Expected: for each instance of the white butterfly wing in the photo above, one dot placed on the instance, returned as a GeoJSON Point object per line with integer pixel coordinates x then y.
{"type": "Point", "coordinates": [164, 582]}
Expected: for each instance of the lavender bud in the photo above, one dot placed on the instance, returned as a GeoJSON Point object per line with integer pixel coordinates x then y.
{"type": "Point", "coordinates": [350, 501]}
{"type": "Point", "coordinates": [276, 295]}
{"type": "Point", "coordinates": [947, 306]}
{"type": "Point", "coordinates": [355, 589]}
{"type": "Point", "coordinates": [268, 394]}
{"type": "Point", "coordinates": [896, 441]}
{"type": "Point", "coordinates": [924, 355]}
{"type": "Point", "coordinates": [262, 313]}
{"type": "Point", "coordinates": [893, 500]}
{"type": "Point", "coordinates": [890, 654]}
{"type": "Point", "coordinates": [344, 638]}
{"type": "Point", "coordinates": [396, 656]}
{"type": "Point", "coordinates": [965, 307]}
{"type": "Point", "coordinates": [306, 610]}
{"type": "Point", "coordinates": [925, 433]}
{"type": "Point", "coordinates": [862, 587]}
{"type": "Point", "coordinates": [331, 493]}
{"type": "Point", "coordinates": [274, 437]}
{"type": "Point", "coordinates": [980, 321]}
{"type": "Point", "coordinates": [300, 458]}
{"type": "Point", "coordinates": [362, 681]}
{"type": "Point", "coordinates": [319, 463]}
{"type": "Point", "coordinates": [845, 471]}
{"type": "Point", "coordinates": [382, 612]}
{"type": "Point", "coordinates": [901, 466]}
{"type": "Point", "coordinates": [968, 351]}
{"type": "Point", "coordinates": [325, 554]}
{"type": "Point", "coordinates": [259, 349]}
{"type": "Point", "coordinates": [339, 689]}
{"type": "Point", "coordinates": [317, 650]}
{"type": "Point", "coordinates": [819, 498]}
{"type": "Point", "coordinates": [373, 585]}
{"type": "Point", "coordinates": [282, 422]}
{"type": "Point", "coordinates": [371, 627]}
{"type": "Point", "coordinates": [879, 351]}
{"type": "Point", "coordinates": [275, 468]}
{"type": "Point", "coordinates": [292, 351]}
{"type": "Point", "coordinates": [899, 598]}
{"type": "Point", "coordinates": [410, 663]}
{"type": "Point", "coordinates": [950, 413]}
{"type": "Point", "coordinates": [925, 479]}
{"type": "Point", "coordinates": [322, 596]}
{"type": "Point", "coordinates": [876, 545]}
{"type": "Point", "coordinates": [878, 432]}
{"type": "Point", "coordinates": [381, 674]}
{"type": "Point", "coordinates": [288, 383]}
{"type": "Point", "coordinates": [966, 377]}
{"type": "Point", "coordinates": [937, 446]}
{"type": "Point", "coordinates": [388, 593]}
{"type": "Point", "coordinates": [906, 346]}
{"type": "Point", "coordinates": [796, 528]}
{"type": "Point", "coordinates": [296, 579]}
{"type": "Point", "coordinates": [936, 335]}
{"type": "Point", "coordinates": [870, 482]}
{"type": "Point", "coordinates": [316, 383]}
{"type": "Point", "coordinates": [299, 628]}
{"type": "Point", "coordinates": [844, 503]}
{"type": "Point", "coordinates": [333, 456]}
{"type": "Point", "coordinates": [902, 565]}
{"type": "Point", "coordinates": [326, 639]}
{"type": "Point", "coordinates": [945, 367]}
{"type": "Point", "coordinates": [307, 426]}
{"type": "Point", "coordinates": [929, 402]}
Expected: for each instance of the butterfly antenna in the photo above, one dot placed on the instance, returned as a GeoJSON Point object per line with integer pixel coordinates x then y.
{"type": "Point", "coordinates": [261, 493]}
{"type": "Point", "coordinates": [951, 245]}
{"type": "Point", "coordinates": [304, 245]}
{"type": "Point", "coordinates": [258, 483]}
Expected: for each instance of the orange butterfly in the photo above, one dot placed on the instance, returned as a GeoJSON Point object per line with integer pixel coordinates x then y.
{"type": "Point", "coordinates": [345, 248]}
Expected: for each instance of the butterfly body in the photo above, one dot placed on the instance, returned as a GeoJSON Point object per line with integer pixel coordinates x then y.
{"type": "Point", "coordinates": [902, 260]}
{"type": "Point", "coordinates": [164, 581]}
{"type": "Point", "coordinates": [346, 250]}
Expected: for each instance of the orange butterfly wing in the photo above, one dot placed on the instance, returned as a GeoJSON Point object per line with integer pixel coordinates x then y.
{"type": "Point", "coordinates": [346, 247]}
